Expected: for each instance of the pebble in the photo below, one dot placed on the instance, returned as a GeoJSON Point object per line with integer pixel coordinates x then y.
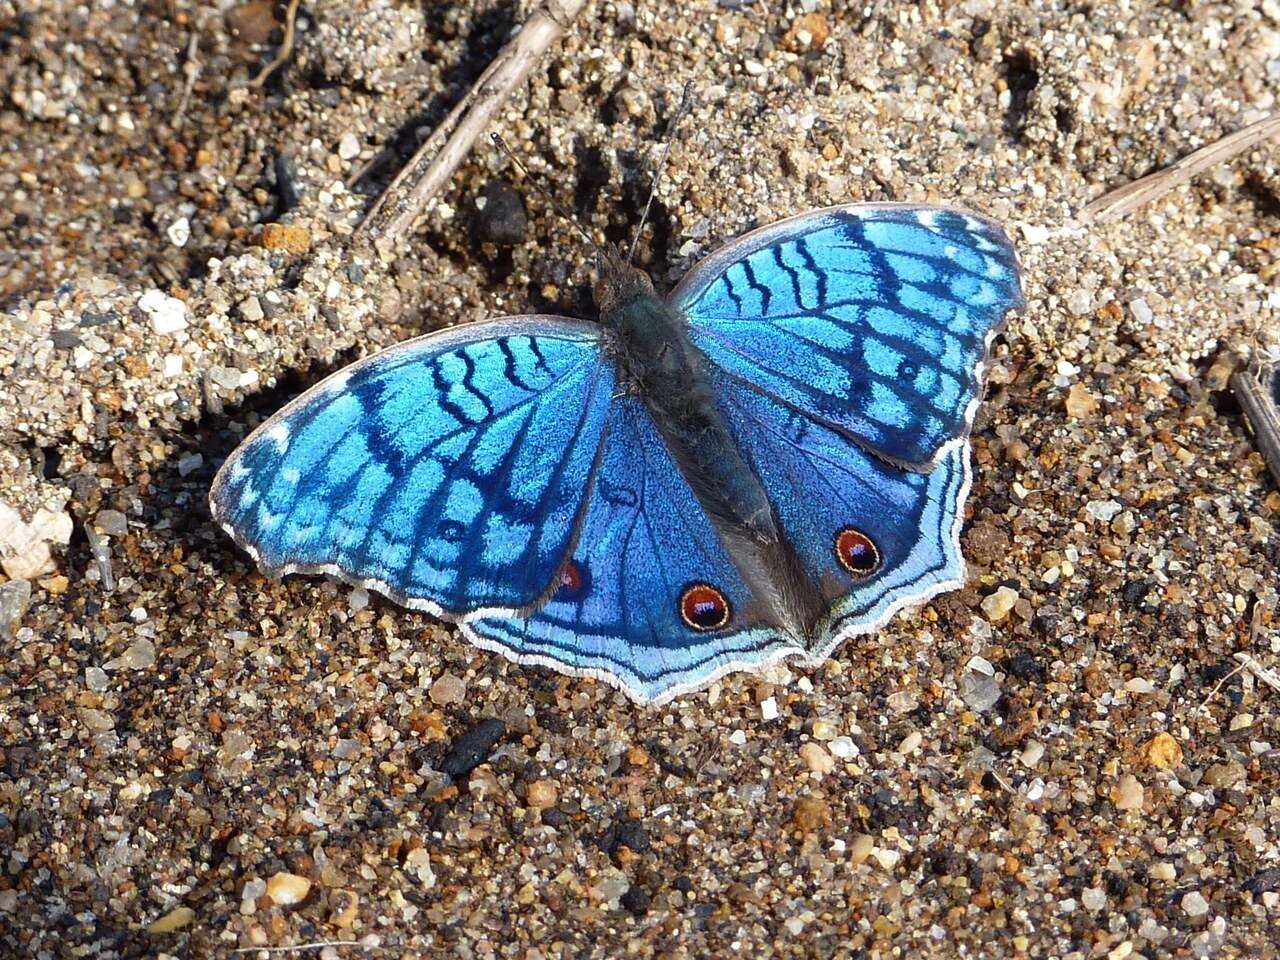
{"type": "Point", "coordinates": [286, 237]}
{"type": "Point", "coordinates": [344, 908]}
{"type": "Point", "coordinates": [810, 813]}
{"type": "Point", "coordinates": [1080, 402]}
{"type": "Point", "coordinates": [179, 232]}
{"type": "Point", "coordinates": [996, 606]}
{"type": "Point", "coordinates": [470, 750]}
{"type": "Point", "coordinates": [1128, 793]}
{"type": "Point", "coordinates": [140, 655]}
{"type": "Point", "coordinates": [769, 709]}
{"type": "Point", "coordinates": [251, 310]}
{"type": "Point", "coordinates": [1194, 904]}
{"type": "Point", "coordinates": [172, 921]}
{"type": "Point", "coordinates": [817, 759]}
{"type": "Point", "coordinates": [1224, 775]}
{"type": "Point", "coordinates": [843, 747]}
{"type": "Point", "coordinates": [95, 720]}
{"type": "Point", "coordinates": [418, 864]}
{"type": "Point", "coordinates": [541, 794]}
{"type": "Point", "coordinates": [286, 889]}
{"type": "Point", "coordinates": [1032, 753]}
{"type": "Point", "coordinates": [1093, 899]}
{"type": "Point", "coordinates": [501, 218]}
{"type": "Point", "coordinates": [96, 679]}
{"type": "Point", "coordinates": [15, 600]}
{"type": "Point", "coordinates": [448, 689]}
{"type": "Point", "coordinates": [1162, 752]}
{"type": "Point", "coordinates": [979, 692]}
{"type": "Point", "coordinates": [189, 464]}
{"type": "Point", "coordinates": [112, 523]}
{"type": "Point", "coordinates": [168, 314]}
{"type": "Point", "coordinates": [824, 730]}
{"type": "Point", "coordinates": [862, 847]}
{"type": "Point", "coordinates": [348, 146]}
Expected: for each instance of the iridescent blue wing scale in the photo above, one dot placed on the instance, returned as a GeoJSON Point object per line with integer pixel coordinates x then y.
{"type": "Point", "coordinates": [448, 472]}
{"type": "Point", "coordinates": [873, 319]}
{"type": "Point", "coordinates": [645, 551]}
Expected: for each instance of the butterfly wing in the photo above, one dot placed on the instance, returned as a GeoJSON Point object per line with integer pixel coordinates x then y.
{"type": "Point", "coordinates": [448, 472]}
{"type": "Point", "coordinates": [872, 319]}
{"type": "Point", "coordinates": [872, 536]}
{"type": "Point", "coordinates": [651, 602]}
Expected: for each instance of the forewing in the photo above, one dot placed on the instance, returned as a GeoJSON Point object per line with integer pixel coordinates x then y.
{"type": "Point", "coordinates": [646, 550]}
{"type": "Point", "coordinates": [448, 472]}
{"type": "Point", "coordinates": [872, 319]}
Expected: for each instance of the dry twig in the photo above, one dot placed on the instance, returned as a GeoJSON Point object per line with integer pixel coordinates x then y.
{"type": "Point", "coordinates": [300, 947]}
{"type": "Point", "coordinates": [440, 154]}
{"type": "Point", "coordinates": [1257, 390]}
{"type": "Point", "coordinates": [1131, 196]}
{"type": "Point", "coordinates": [1269, 677]}
{"type": "Point", "coordinates": [286, 47]}
{"type": "Point", "coordinates": [192, 69]}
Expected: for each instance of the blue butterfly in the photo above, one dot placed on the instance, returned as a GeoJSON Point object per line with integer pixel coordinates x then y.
{"type": "Point", "coordinates": [770, 459]}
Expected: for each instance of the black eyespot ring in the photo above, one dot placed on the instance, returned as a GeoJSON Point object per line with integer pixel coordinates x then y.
{"type": "Point", "coordinates": [704, 607]}
{"type": "Point", "coordinates": [857, 552]}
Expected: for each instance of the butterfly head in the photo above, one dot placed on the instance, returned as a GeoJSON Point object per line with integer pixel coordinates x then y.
{"type": "Point", "coordinates": [619, 282]}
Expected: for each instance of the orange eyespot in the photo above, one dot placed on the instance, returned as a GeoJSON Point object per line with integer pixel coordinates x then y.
{"type": "Point", "coordinates": [703, 607]}
{"type": "Point", "coordinates": [857, 552]}
{"type": "Point", "coordinates": [573, 582]}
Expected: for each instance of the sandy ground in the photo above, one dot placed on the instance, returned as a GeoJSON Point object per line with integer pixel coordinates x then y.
{"type": "Point", "coordinates": [1061, 760]}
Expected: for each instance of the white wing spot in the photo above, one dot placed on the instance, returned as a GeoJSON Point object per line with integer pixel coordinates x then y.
{"type": "Point", "coordinates": [238, 472]}
{"type": "Point", "coordinates": [927, 218]}
{"type": "Point", "coordinates": [338, 382]}
{"type": "Point", "coordinates": [279, 435]}
{"type": "Point", "coordinates": [290, 475]}
{"type": "Point", "coordinates": [268, 520]}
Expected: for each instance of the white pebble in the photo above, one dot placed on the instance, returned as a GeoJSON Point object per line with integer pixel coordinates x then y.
{"type": "Point", "coordinates": [769, 709]}
{"type": "Point", "coordinates": [1195, 905]}
{"type": "Point", "coordinates": [348, 147]}
{"type": "Point", "coordinates": [179, 232]}
{"type": "Point", "coordinates": [168, 314]}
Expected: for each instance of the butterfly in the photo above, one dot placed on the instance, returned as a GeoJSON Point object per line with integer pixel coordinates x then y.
{"type": "Point", "coordinates": [766, 461]}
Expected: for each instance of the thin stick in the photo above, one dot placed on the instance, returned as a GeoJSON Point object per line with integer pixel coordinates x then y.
{"type": "Point", "coordinates": [192, 69]}
{"type": "Point", "coordinates": [1269, 677]}
{"type": "Point", "coordinates": [299, 947]}
{"type": "Point", "coordinates": [286, 47]}
{"type": "Point", "coordinates": [441, 153]}
{"type": "Point", "coordinates": [1131, 196]}
{"type": "Point", "coordinates": [1254, 391]}
{"type": "Point", "coordinates": [1218, 686]}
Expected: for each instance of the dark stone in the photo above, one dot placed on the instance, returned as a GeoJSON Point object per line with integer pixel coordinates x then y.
{"type": "Point", "coordinates": [1135, 592]}
{"type": "Point", "coordinates": [554, 818]}
{"type": "Point", "coordinates": [65, 339]}
{"type": "Point", "coordinates": [624, 832]}
{"type": "Point", "coordinates": [1024, 666]}
{"type": "Point", "coordinates": [500, 215]}
{"type": "Point", "coordinates": [636, 900]}
{"type": "Point", "coordinates": [470, 749]}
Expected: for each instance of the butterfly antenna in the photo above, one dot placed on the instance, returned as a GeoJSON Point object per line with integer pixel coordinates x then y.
{"type": "Point", "coordinates": [686, 99]}
{"type": "Point", "coordinates": [544, 193]}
